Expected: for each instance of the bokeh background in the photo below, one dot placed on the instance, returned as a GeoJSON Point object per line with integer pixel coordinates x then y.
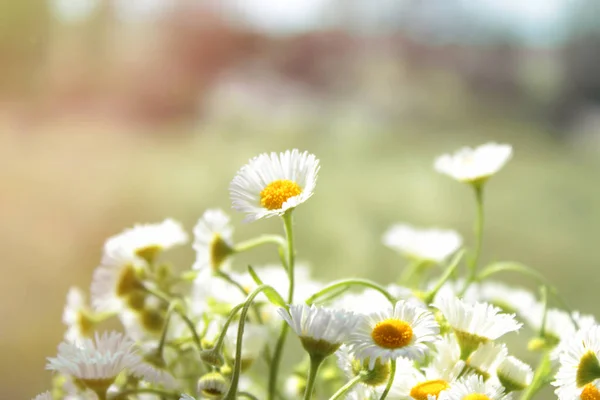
{"type": "Point", "coordinates": [114, 112]}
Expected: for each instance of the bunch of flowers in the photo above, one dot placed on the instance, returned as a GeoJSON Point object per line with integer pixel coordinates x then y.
{"type": "Point", "coordinates": [213, 332]}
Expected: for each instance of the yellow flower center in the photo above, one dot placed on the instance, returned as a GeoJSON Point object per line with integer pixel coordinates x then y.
{"type": "Point", "coordinates": [428, 388]}
{"type": "Point", "coordinates": [392, 334]}
{"type": "Point", "coordinates": [590, 392]}
{"type": "Point", "coordinates": [278, 192]}
{"type": "Point", "coordinates": [476, 396]}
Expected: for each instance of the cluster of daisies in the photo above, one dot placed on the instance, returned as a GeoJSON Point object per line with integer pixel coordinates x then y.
{"type": "Point", "coordinates": [435, 331]}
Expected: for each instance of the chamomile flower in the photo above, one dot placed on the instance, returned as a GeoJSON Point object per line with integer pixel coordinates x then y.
{"type": "Point", "coordinates": [77, 316]}
{"type": "Point", "coordinates": [415, 385]}
{"type": "Point", "coordinates": [96, 362]}
{"type": "Point", "coordinates": [403, 330]}
{"type": "Point", "coordinates": [147, 240]}
{"type": "Point", "coordinates": [514, 374]}
{"type": "Point", "coordinates": [213, 240]}
{"type": "Point", "coordinates": [271, 184]}
{"type": "Point", "coordinates": [212, 385]}
{"type": "Point", "coordinates": [44, 396]}
{"type": "Point", "coordinates": [433, 245]}
{"type": "Point", "coordinates": [473, 387]}
{"type": "Point", "coordinates": [579, 372]}
{"type": "Point", "coordinates": [322, 331]}
{"type": "Point", "coordinates": [475, 323]}
{"type": "Point", "coordinates": [485, 359]}
{"type": "Point", "coordinates": [116, 281]}
{"type": "Point", "coordinates": [474, 165]}
{"type": "Point", "coordinates": [509, 298]}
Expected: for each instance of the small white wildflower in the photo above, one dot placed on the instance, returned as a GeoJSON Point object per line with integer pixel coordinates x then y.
{"type": "Point", "coordinates": [474, 165]}
{"type": "Point", "coordinates": [213, 240]}
{"type": "Point", "coordinates": [473, 387]}
{"type": "Point", "coordinates": [514, 374]}
{"type": "Point", "coordinates": [77, 316]}
{"type": "Point", "coordinates": [433, 245]}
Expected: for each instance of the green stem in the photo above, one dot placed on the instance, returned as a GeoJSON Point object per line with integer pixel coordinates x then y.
{"type": "Point", "coordinates": [259, 241]}
{"type": "Point", "coordinates": [190, 326]}
{"type": "Point", "coordinates": [229, 279]}
{"type": "Point", "coordinates": [447, 274]}
{"type": "Point", "coordinates": [237, 368]}
{"type": "Point", "coordinates": [411, 273]}
{"type": "Point", "coordinates": [289, 234]}
{"type": "Point", "coordinates": [478, 237]}
{"type": "Point", "coordinates": [542, 371]}
{"type": "Point", "coordinates": [223, 334]}
{"type": "Point", "coordinates": [315, 363]}
{"type": "Point", "coordinates": [351, 282]}
{"type": "Point", "coordinates": [391, 380]}
{"type": "Point", "coordinates": [163, 336]}
{"type": "Point", "coordinates": [346, 388]}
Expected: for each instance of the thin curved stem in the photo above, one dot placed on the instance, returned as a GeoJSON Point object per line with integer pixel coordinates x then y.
{"type": "Point", "coordinates": [447, 274]}
{"type": "Point", "coordinates": [390, 380]}
{"type": "Point", "coordinates": [258, 241]}
{"type": "Point", "coordinates": [346, 388]}
{"type": "Point", "coordinates": [350, 282]}
{"type": "Point", "coordinates": [229, 279]}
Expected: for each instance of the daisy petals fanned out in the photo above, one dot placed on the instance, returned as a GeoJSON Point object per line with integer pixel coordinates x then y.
{"type": "Point", "coordinates": [472, 165]}
{"type": "Point", "coordinates": [271, 184]}
{"type": "Point", "coordinates": [404, 330]}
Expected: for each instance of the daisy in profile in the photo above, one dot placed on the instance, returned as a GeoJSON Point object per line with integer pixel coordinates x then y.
{"type": "Point", "coordinates": [271, 184]}
{"type": "Point", "coordinates": [475, 323]}
{"type": "Point", "coordinates": [485, 360]}
{"type": "Point", "coordinates": [404, 330]}
{"type": "Point", "coordinates": [514, 374]}
{"type": "Point", "coordinates": [473, 387]}
{"type": "Point", "coordinates": [321, 331]}
{"type": "Point", "coordinates": [96, 363]}
{"type": "Point", "coordinates": [116, 282]}
{"type": "Point", "coordinates": [474, 165]}
{"type": "Point", "coordinates": [148, 240]}
{"type": "Point", "coordinates": [579, 372]}
{"type": "Point", "coordinates": [213, 240]}
{"type": "Point", "coordinates": [433, 245]}
{"type": "Point", "coordinates": [77, 316]}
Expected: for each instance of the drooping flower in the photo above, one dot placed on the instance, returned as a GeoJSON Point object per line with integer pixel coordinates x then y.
{"type": "Point", "coordinates": [271, 184]}
{"type": "Point", "coordinates": [77, 316]}
{"type": "Point", "coordinates": [422, 244]}
{"type": "Point", "coordinates": [321, 331]}
{"type": "Point", "coordinates": [213, 240]}
{"type": "Point", "coordinates": [475, 323]}
{"type": "Point", "coordinates": [403, 330]}
{"type": "Point", "coordinates": [97, 362]}
{"type": "Point", "coordinates": [474, 165]}
{"type": "Point", "coordinates": [514, 374]}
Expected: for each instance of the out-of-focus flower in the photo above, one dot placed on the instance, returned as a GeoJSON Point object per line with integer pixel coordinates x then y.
{"type": "Point", "coordinates": [77, 316]}
{"type": "Point", "coordinates": [422, 244]}
{"type": "Point", "coordinates": [213, 240]}
{"type": "Point", "coordinates": [514, 374]}
{"type": "Point", "coordinates": [212, 385]}
{"type": "Point", "coordinates": [271, 184]}
{"type": "Point", "coordinates": [474, 387]}
{"type": "Point", "coordinates": [474, 165]}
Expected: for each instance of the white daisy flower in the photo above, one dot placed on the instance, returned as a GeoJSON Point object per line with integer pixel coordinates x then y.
{"type": "Point", "coordinates": [321, 330]}
{"type": "Point", "coordinates": [475, 323]}
{"type": "Point", "coordinates": [116, 281]}
{"type": "Point", "coordinates": [579, 372]}
{"type": "Point", "coordinates": [414, 385]}
{"type": "Point", "coordinates": [514, 374]}
{"type": "Point", "coordinates": [403, 330]}
{"type": "Point", "coordinates": [213, 385]}
{"type": "Point", "coordinates": [213, 240]}
{"type": "Point", "coordinates": [508, 298]}
{"type": "Point", "coordinates": [96, 362]}
{"type": "Point", "coordinates": [147, 240]}
{"type": "Point", "coordinates": [154, 374]}
{"type": "Point", "coordinates": [473, 387]}
{"type": "Point", "coordinates": [271, 184]}
{"type": "Point", "coordinates": [433, 245]}
{"type": "Point", "coordinates": [253, 343]}
{"type": "Point", "coordinates": [445, 361]}
{"type": "Point", "coordinates": [474, 165]}
{"type": "Point", "coordinates": [44, 396]}
{"type": "Point", "coordinates": [485, 360]}
{"type": "Point", "coordinates": [77, 316]}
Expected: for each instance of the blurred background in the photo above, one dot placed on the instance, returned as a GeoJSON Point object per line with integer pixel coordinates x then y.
{"type": "Point", "coordinates": [114, 112]}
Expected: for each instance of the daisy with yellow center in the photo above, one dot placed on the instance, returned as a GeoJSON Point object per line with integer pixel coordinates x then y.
{"type": "Point", "coordinates": [271, 184]}
{"type": "Point", "coordinates": [472, 387]}
{"type": "Point", "coordinates": [403, 330]}
{"type": "Point", "coordinates": [579, 372]}
{"type": "Point", "coordinates": [213, 240]}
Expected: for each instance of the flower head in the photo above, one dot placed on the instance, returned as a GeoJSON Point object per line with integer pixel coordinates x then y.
{"type": "Point", "coordinates": [514, 374]}
{"type": "Point", "coordinates": [77, 316]}
{"type": "Point", "coordinates": [212, 385]}
{"type": "Point", "coordinates": [403, 330]}
{"type": "Point", "coordinates": [212, 240]}
{"type": "Point", "coordinates": [424, 244]}
{"type": "Point", "coordinates": [474, 165]}
{"type": "Point", "coordinates": [271, 184]}
{"type": "Point", "coordinates": [473, 387]}
{"type": "Point", "coordinates": [322, 331]}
